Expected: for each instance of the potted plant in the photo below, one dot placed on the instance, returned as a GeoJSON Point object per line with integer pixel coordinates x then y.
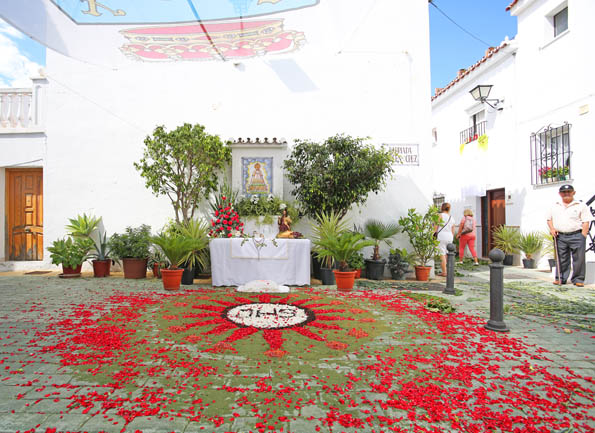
{"type": "Point", "coordinates": [101, 260]}
{"type": "Point", "coordinates": [420, 229]}
{"type": "Point", "coordinates": [176, 248]}
{"type": "Point", "coordinates": [506, 239]}
{"type": "Point", "coordinates": [196, 230]}
{"type": "Point", "coordinates": [83, 226]}
{"type": "Point", "coordinates": [379, 232]}
{"type": "Point", "coordinates": [132, 247]}
{"type": "Point", "coordinates": [157, 261]}
{"type": "Point", "coordinates": [398, 263]}
{"type": "Point", "coordinates": [356, 262]}
{"type": "Point", "coordinates": [327, 225]}
{"type": "Point", "coordinates": [71, 253]}
{"type": "Point", "coordinates": [530, 244]}
{"type": "Point", "coordinates": [341, 248]}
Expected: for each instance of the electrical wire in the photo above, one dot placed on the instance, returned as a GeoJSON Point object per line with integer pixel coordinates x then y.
{"type": "Point", "coordinates": [459, 26]}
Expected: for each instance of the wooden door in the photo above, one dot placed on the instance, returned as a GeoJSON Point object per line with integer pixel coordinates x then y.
{"type": "Point", "coordinates": [496, 212]}
{"type": "Point", "coordinates": [24, 213]}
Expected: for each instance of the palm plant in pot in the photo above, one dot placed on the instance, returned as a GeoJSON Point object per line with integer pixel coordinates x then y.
{"type": "Point", "coordinates": [71, 253]}
{"type": "Point", "coordinates": [198, 231]}
{"type": "Point", "coordinates": [530, 244]}
{"type": "Point", "coordinates": [379, 232]}
{"type": "Point", "coordinates": [342, 248]}
{"type": "Point", "coordinates": [176, 248]}
{"type": "Point", "coordinates": [420, 229]}
{"type": "Point", "coordinates": [506, 239]}
{"type": "Point", "coordinates": [133, 248]}
{"type": "Point", "coordinates": [326, 225]}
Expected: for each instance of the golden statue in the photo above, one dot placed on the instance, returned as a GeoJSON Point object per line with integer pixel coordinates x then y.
{"type": "Point", "coordinates": [284, 222]}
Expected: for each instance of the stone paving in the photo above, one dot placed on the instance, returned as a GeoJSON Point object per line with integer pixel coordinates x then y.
{"type": "Point", "coordinates": [29, 300]}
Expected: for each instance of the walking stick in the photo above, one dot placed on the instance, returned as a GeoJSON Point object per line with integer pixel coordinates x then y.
{"type": "Point", "coordinates": [557, 259]}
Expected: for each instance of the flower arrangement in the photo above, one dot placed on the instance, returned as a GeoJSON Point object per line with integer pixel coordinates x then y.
{"type": "Point", "coordinates": [545, 172]}
{"type": "Point", "coordinates": [262, 205]}
{"type": "Point", "coordinates": [226, 223]}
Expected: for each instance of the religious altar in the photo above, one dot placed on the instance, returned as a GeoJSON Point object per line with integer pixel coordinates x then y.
{"type": "Point", "coordinates": [236, 261]}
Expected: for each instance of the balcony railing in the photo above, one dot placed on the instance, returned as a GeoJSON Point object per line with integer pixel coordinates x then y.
{"type": "Point", "coordinates": [472, 133]}
{"type": "Point", "coordinates": [21, 109]}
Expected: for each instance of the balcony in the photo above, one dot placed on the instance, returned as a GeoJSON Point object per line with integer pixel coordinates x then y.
{"type": "Point", "coordinates": [473, 133]}
{"type": "Point", "coordinates": [21, 110]}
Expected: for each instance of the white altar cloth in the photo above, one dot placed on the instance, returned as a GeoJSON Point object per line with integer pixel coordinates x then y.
{"type": "Point", "coordinates": [233, 264]}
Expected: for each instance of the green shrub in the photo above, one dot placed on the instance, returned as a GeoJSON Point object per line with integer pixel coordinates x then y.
{"type": "Point", "coordinates": [133, 243]}
{"type": "Point", "coordinates": [70, 252]}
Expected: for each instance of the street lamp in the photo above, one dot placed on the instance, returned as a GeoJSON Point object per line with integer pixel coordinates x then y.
{"type": "Point", "coordinates": [481, 92]}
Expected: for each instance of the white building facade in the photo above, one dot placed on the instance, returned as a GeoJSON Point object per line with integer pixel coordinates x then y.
{"type": "Point", "coordinates": [97, 119]}
{"type": "Point", "coordinates": [536, 125]}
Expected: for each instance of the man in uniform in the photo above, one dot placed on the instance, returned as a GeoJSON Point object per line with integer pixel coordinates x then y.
{"type": "Point", "coordinates": [569, 221]}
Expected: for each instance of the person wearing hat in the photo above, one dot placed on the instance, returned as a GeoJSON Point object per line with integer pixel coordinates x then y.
{"type": "Point", "coordinates": [569, 221]}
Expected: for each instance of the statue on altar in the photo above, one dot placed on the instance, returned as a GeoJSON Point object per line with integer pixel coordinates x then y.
{"type": "Point", "coordinates": [284, 222]}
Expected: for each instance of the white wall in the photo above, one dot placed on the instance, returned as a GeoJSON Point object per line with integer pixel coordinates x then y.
{"type": "Point", "coordinates": [98, 118]}
{"type": "Point", "coordinates": [545, 82]}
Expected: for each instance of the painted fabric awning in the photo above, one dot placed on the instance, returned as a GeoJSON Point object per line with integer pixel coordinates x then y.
{"type": "Point", "coordinates": [117, 32]}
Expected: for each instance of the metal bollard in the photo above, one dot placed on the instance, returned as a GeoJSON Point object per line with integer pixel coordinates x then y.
{"type": "Point", "coordinates": [450, 270]}
{"type": "Point", "coordinates": [496, 322]}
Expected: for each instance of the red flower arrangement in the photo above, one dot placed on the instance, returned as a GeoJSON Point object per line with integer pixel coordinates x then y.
{"type": "Point", "coordinates": [226, 222]}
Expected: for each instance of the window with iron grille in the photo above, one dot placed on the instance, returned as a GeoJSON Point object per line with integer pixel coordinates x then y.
{"type": "Point", "coordinates": [550, 155]}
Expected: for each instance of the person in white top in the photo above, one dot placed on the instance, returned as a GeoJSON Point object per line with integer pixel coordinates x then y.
{"type": "Point", "coordinates": [568, 221]}
{"type": "Point", "coordinates": [445, 234]}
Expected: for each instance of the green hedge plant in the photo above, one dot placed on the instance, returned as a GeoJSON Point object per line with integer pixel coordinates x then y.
{"type": "Point", "coordinates": [134, 243]}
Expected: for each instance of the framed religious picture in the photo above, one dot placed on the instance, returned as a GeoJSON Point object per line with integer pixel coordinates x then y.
{"type": "Point", "coordinates": [257, 175]}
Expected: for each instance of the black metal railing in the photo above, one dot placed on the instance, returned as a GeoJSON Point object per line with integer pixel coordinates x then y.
{"type": "Point", "coordinates": [473, 133]}
{"type": "Point", "coordinates": [550, 155]}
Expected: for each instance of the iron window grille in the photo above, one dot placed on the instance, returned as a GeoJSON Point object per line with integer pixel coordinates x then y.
{"type": "Point", "coordinates": [473, 133]}
{"type": "Point", "coordinates": [550, 155]}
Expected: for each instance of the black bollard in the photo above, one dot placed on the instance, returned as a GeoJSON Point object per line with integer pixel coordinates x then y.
{"type": "Point", "coordinates": [450, 270]}
{"type": "Point", "coordinates": [496, 322]}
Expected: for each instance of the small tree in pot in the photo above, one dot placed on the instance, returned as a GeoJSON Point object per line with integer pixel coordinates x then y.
{"type": "Point", "coordinates": [530, 243]}
{"type": "Point", "coordinates": [336, 174]}
{"type": "Point", "coordinates": [342, 248]}
{"type": "Point", "coordinates": [420, 229]}
{"type": "Point", "coordinates": [379, 232]}
{"type": "Point", "coordinates": [133, 248]}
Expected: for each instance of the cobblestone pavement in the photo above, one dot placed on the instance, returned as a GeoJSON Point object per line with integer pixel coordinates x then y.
{"type": "Point", "coordinates": [28, 302]}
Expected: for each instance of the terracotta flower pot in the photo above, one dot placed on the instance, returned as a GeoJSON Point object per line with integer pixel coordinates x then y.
{"type": "Point", "coordinates": [172, 278]}
{"type": "Point", "coordinates": [422, 273]}
{"type": "Point", "coordinates": [71, 271]}
{"type": "Point", "coordinates": [156, 270]}
{"type": "Point", "coordinates": [344, 280]}
{"type": "Point", "coordinates": [358, 273]}
{"type": "Point", "coordinates": [101, 268]}
{"type": "Point", "coordinates": [135, 268]}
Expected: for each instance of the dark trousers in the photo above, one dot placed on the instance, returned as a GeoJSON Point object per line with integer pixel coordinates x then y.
{"type": "Point", "coordinates": [571, 245]}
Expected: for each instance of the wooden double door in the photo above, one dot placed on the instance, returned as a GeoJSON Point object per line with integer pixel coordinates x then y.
{"type": "Point", "coordinates": [493, 214]}
{"type": "Point", "coordinates": [24, 213]}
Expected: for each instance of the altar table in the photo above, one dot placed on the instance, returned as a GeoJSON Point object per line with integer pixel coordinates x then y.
{"type": "Point", "coordinates": [234, 263]}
